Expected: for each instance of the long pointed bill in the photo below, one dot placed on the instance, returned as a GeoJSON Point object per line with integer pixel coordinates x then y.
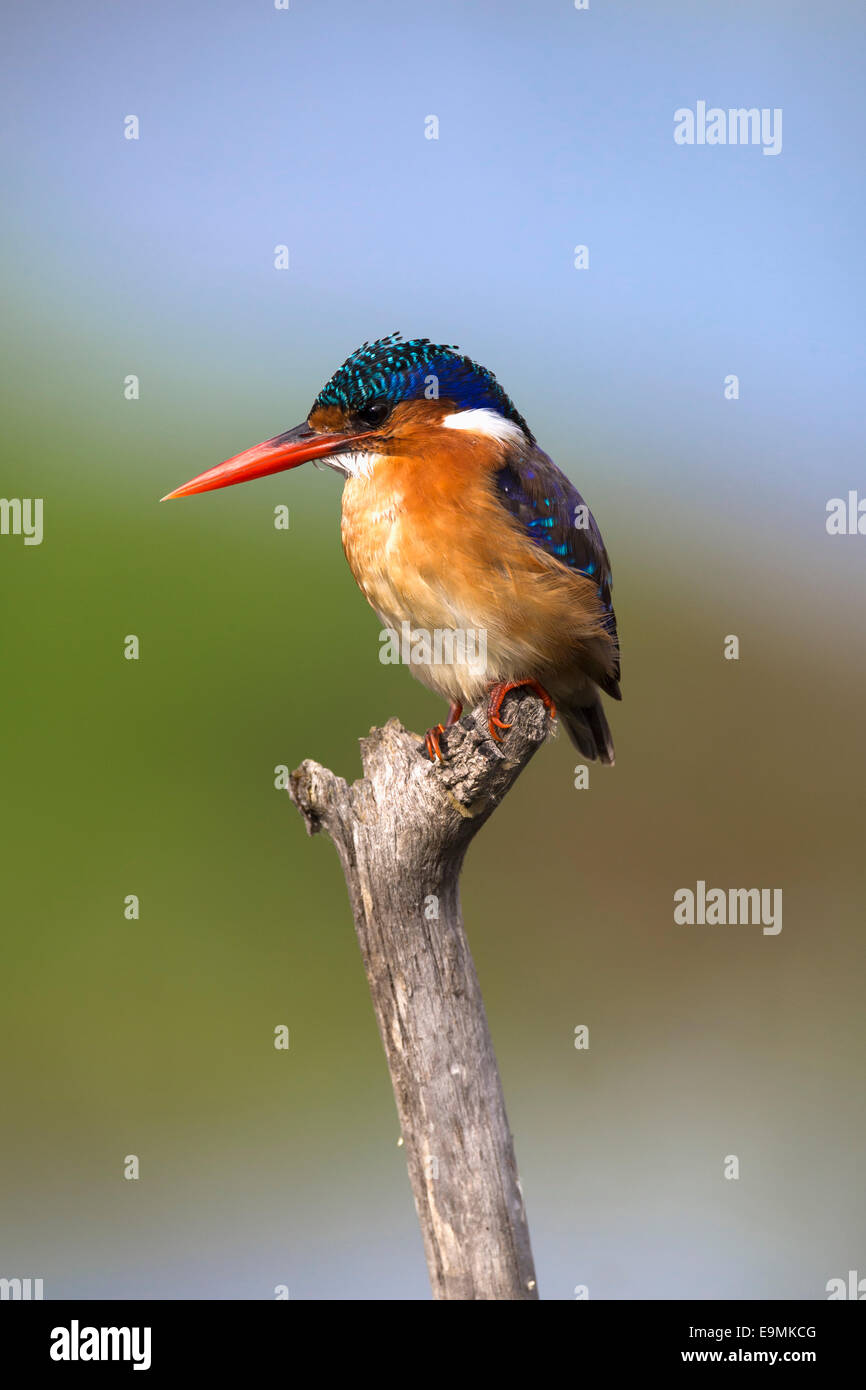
{"type": "Point", "coordinates": [287, 450]}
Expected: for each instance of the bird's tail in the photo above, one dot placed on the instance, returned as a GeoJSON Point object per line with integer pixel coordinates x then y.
{"type": "Point", "coordinates": [589, 731]}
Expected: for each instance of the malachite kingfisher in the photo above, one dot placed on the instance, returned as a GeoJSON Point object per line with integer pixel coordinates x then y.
{"type": "Point", "coordinates": [454, 520]}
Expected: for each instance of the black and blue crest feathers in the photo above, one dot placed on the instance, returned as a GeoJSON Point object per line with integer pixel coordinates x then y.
{"type": "Point", "coordinates": [394, 370]}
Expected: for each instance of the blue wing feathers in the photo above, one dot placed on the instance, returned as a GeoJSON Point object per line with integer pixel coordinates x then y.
{"type": "Point", "coordinates": [555, 517]}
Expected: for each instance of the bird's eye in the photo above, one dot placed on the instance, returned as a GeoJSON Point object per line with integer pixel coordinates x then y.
{"type": "Point", "coordinates": [373, 413]}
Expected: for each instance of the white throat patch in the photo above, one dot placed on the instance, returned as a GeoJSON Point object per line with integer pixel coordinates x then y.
{"type": "Point", "coordinates": [355, 465]}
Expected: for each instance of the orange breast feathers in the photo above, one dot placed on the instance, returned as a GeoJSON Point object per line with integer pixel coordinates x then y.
{"type": "Point", "coordinates": [429, 543]}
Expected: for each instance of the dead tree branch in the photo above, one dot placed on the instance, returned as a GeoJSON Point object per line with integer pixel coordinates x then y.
{"type": "Point", "coordinates": [402, 832]}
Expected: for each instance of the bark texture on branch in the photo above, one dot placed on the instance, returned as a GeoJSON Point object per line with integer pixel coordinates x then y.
{"type": "Point", "coordinates": [402, 832]}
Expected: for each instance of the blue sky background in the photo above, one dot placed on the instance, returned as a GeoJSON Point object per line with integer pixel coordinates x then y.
{"type": "Point", "coordinates": [306, 128]}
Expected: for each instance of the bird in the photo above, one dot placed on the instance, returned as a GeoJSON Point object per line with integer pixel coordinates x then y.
{"type": "Point", "coordinates": [454, 520]}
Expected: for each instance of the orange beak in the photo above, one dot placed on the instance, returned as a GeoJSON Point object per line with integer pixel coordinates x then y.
{"type": "Point", "coordinates": [287, 450]}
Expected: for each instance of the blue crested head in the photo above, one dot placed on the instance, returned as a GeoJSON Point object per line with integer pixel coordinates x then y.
{"type": "Point", "coordinates": [382, 374]}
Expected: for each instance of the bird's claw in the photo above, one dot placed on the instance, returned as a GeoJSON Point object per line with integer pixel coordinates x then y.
{"type": "Point", "coordinates": [498, 693]}
{"type": "Point", "coordinates": [431, 743]}
{"type": "Point", "coordinates": [432, 736]}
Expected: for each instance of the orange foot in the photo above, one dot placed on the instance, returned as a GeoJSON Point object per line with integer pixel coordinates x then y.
{"type": "Point", "coordinates": [431, 738]}
{"type": "Point", "coordinates": [498, 693]}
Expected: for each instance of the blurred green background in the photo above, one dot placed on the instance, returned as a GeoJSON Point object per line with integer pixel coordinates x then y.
{"type": "Point", "coordinates": [156, 777]}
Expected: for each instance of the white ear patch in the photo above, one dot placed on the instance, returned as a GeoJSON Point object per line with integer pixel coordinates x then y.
{"type": "Point", "coordinates": [487, 422]}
